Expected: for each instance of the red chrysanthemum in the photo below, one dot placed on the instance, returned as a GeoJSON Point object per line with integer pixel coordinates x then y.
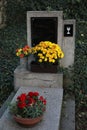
{"type": "Point", "coordinates": [22, 97]}
{"type": "Point", "coordinates": [41, 98]}
{"type": "Point", "coordinates": [30, 94]}
{"type": "Point", "coordinates": [21, 105]}
{"type": "Point", "coordinates": [35, 94]}
{"type": "Point", "coordinates": [31, 101]}
{"type": "Point", "coordinates": [44, 101]}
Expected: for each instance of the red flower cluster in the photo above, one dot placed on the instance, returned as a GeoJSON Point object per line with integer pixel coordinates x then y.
{"type": "Point", "coordinates": [30, 99]}
{"type": "Point", "coordinates": [21, 52]}
{"type": "Point", "coordinates": [43, 100]}
{"type": "Point", "coordinates": [32, 94]}
{"type": "Point", "coordinates": [21, 100]}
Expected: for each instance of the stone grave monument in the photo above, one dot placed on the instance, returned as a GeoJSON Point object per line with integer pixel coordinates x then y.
{"type": "Point", "coordinates": [45, 25]}
{"type": "Point", "coordinates": [50, 25]}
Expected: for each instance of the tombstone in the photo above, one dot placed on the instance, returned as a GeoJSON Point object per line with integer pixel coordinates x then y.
{"type": "Point", "coordinates": [47, 25]}
{"type": "Point", "coordinates": [50, 26]}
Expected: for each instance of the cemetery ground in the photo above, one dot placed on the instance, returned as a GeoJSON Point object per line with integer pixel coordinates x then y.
{"type": "Point", "coordinates": [13, 36]}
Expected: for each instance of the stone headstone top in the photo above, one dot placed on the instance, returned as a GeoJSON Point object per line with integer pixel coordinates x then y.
{"type": "Point", "coordinates": [55, 18]}
{"type": "Point", "coordinates": [50, 26]}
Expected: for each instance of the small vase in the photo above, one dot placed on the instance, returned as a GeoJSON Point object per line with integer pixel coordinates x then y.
{"type": "Point", "coordinates": [28, 122]}
{"type": "Point", "coordinates": [23, 63]}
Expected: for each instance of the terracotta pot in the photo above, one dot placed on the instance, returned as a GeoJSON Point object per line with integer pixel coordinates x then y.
{"type": "Point", "coordinates": [44, 68]}
{"type": "Point", "coordinates": [28, 122]}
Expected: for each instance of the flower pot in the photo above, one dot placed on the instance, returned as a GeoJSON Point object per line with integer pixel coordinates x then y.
{"type": "Point", "coordinates": [28, 122]}
{"type": "Point", "coordinates": [23, 63]}
{"type": "Point", "coordinates": [35, 67]}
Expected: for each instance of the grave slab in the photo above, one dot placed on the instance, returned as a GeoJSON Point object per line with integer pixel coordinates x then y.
{"type": "Point", "coordinates": [51, 119]}
{"type": "Point", "coordinates": [28, 78]}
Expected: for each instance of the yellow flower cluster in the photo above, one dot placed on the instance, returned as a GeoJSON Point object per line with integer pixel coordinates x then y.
{"type": "Point", "coordinates": [47, 51]}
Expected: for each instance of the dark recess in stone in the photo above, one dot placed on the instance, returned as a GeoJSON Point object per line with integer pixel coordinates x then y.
{"type": "Point", "coordinates": [43, 29]}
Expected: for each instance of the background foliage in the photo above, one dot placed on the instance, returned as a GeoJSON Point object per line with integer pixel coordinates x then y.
{"type": "Point", "coordinates": [80, 76]}
{"type": "Point", "coordinates": [14, 35]}
{"type": "Point", "coordinates": [11, 38]}
{"type": "Point", "coordinates": [16, 10]}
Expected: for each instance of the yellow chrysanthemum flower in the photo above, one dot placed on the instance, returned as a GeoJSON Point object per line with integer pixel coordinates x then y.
{"type": "Point", "coordinates": [47, 51]}
{"type": "Point", "coordinates": [40, 60]}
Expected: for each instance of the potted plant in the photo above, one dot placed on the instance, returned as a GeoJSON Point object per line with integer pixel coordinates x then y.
{"type": "Point", "coordinates": [23, 53]}
{"type": "Point", "coordinates": [28, 108]}
{"type": "Point", "coordinates": [47, 56]}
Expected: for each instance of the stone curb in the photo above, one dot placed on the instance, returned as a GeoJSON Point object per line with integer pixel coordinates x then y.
{"type": "Point", "coordinates": [6, 103]}
{"type": "Point", "coordinates": [68, 115]}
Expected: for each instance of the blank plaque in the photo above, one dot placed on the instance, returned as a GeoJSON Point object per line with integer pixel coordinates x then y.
{"type": "Point", "coordinates": [43, 29]}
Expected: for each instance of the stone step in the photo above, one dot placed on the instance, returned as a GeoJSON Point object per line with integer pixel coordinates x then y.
{"type": "Point", "coordinates": [51, 120]}
{"type": "Point", "coordinates": [27, 78]}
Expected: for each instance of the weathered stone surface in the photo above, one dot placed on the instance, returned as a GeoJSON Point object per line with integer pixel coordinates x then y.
{"type": "Point", "coordinates": [68, 46]}
{"type": "Point", "coordinates": [68, 115]}
{"type": "Point", "coordinates": [51, 118]}
{"type": "Point", "coordinates": [27, 78]}
{"type": "Point", "coordinates": [5, 105]}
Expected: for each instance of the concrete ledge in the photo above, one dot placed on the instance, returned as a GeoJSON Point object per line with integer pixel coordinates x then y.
{"type": "Point", "coordinates": [52, 115]}
{"type": "Point", "coordinates": [5, 105]}
{"type": "Point", "coordinates": [68, 115]}
{"type": "Point", "coordinates": [27, 78]}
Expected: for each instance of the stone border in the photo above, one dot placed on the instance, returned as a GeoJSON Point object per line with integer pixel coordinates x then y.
{"type": "Point", "coordinates": [6, 103]}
